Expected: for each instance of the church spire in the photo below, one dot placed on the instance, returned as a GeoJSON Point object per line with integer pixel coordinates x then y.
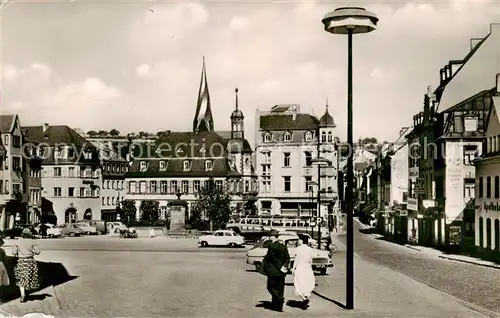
{"type": "Point", "coordinates": [203, 120]}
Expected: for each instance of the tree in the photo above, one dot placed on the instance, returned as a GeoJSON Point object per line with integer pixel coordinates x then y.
{"type": "Point", "coordinates": [103, 133]}
{"type": "Point", "coordinates": [150, 211]}
{"type": "Point", "coordinates": [114, 133]}
{"type": "Point", "coordinates": [158, 134]}
{"type": "Point", "coordinates": [212, 203]}
{"type": "Point", "coordinates": [92, 133]}
{"type": "Point", "coordinates": [128, 211]}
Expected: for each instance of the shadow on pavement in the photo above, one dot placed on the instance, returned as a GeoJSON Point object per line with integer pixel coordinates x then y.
{"type": "Point", "coordinates": [51, 274]}
{"type": "Point", "coordinates": [297, 304]}
{"type": "Point", "coordinates": [338, 303]}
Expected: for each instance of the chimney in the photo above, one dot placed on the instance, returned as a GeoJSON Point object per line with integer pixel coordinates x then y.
{"type": "Point", "coordinates": [294, 112]}
{"type": "Point", "coordinates": [498, 83]}
{"type": "Point", "coordinates": [45, 127]}
{"type": "Point", "coordinates": [441, 75]}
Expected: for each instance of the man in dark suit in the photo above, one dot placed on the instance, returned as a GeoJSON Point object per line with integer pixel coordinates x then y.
{"type": "Point", "coordinates": [276, 264]}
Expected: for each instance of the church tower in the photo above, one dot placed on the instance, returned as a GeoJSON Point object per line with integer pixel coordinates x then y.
{"type": "Point", "coordinates": [237, 128]}
{"type": "Point", "coordinates": [203, 120]}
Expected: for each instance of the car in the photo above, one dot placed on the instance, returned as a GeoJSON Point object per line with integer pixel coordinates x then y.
{"type": "Point", "coordinates": [52, 230]}
{"type": "Point", "coordinates": [311, 242]}
{"type": "Point", "coordinates": [222, 238]}
{"type": "Point", "coordinates": [115, 227]}
{"type": "Point", "coordinates": [87, 229]}
{"type": "Point", "coordinates": [99, 225]}
{"type": "Point", "coordinates": [17, 229]}
{"type": "Point", "coordinates": [321, 260]}
{"type": "Point", "coordinates": [70, 230]}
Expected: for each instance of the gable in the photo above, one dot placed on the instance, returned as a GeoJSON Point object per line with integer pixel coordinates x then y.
{"type": "Point", "coordinates": [493, 128]}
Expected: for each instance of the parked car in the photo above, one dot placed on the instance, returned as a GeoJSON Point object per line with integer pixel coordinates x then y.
{"type": "Point", "coordinates": [115, 227]}
{"type": "Point", "coordinates": [99, 225]}
{"type": "Point", "coordinates": [52, 230]}
{"type": "Point", "coordinates": [18, 229]}
{"type": "Point", "coordinates": [321, 260]}
{"type": "Point", "coordinates": [311, 242]}
{"type": "Point", "coordinates": [87, 229]}
{"type": "Point", "coordinates": [251, 233]}
{"type": "Point", "coordinates": [128, 233]}
{"type": "Point", "coordinates": [222, 238]}
{"type": "Point", "coordinates": [70, 230]}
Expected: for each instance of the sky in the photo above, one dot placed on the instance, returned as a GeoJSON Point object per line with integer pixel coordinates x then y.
{"type": "Point", "coordinates": [135, 66]}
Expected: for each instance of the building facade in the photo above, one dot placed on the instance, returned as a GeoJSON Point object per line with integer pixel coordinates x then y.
{"type": "Point", "coordinates": [71, 172]}
{"type": "Point", "coordinates": [183, 162]}
{"type": "Point", "coordinates": [286, 143]}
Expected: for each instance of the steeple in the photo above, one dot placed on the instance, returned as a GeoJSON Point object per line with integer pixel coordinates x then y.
{"type": "Point", "coordinates": [237, 130]}
{"type": "Point", "coordinates": [203, 120]}
{"type": "Point", "coordinates": [327, 120]}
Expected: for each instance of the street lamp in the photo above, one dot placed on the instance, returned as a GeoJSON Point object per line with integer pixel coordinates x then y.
{"type": "Point", "coordinates": [349, 20]}
{"type": "Point", "coordinates": [311, 186]}
{"type": "Point", "coordinates": [319, 161]}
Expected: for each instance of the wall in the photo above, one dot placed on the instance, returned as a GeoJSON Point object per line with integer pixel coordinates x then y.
{"type": "Point", "coordinates": [399, 175]}
{"type": "Point", "coordinates": [456, 172]}
{"type": "Point", "coordinates": [487, 208]}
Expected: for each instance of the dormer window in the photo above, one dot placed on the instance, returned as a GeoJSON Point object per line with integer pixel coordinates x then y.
{"type": "Point", "coordinates": [208, 165]}
{"type": "Point", "coordinates": [162, 166]}
{"type": "Point", "coordinates": [88, 155]}
{"type": "Point", "coordinates": [143, 166]}
{"type": "Point", "coordinates": [309, 136]}
{"type": "Point", "coordinates": [287, 136]}
{"type": "Point", "coordinates": [267, 137]}
{"type": "Point", "coordinates": [330, 136]}
{"type": "Point", "coordinates": [57, 153]}
{"type": "Point", "coordinates": [186, 165]}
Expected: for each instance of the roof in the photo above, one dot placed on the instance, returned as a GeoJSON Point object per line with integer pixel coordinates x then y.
{"type": "Point", "coordinates": [174, 168]}
{"type": "Point", "coordinates": [286, 122]}
{"type": "Point", "coordinates": [6, 122]}
{"type": "Point", "coordinates": [111, 155]}
{"type": "Point", "coordinates": [56, 135]}
{"type": "Point", "coordinates": [327, 120]}
{"type": "Point", "coordinates": [477, 73]}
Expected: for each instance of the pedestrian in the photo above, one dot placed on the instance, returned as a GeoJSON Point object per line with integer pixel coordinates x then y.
{"type": "Point", "coordinates": [303, 275]}
{"type": "Point", "coordinates": [151, 232]}
{"type": "Point", "coordinates": [43, 230]}
{"type": "Point", "coordinates": [26, 271]}
{"type": "Point", "coordinates": [275, 267]}
{"type": "Point", "coordinates": [4, 275]}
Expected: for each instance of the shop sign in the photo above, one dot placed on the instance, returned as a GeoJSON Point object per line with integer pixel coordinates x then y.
{"type": "Point", "coordinates": [412, 204]}
{"type": "Point", "coordinates": [495, 207]}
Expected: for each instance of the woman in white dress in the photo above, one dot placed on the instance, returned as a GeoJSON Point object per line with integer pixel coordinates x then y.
{"type": "Point", "coordinates": [304, 280]}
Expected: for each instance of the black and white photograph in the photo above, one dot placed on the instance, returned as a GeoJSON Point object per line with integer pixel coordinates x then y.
{"type": "Point", "coordinates": [250, 158]}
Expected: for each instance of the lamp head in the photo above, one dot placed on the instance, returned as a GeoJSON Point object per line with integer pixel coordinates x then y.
{"type": "Point", "coordinates": [350, 19]}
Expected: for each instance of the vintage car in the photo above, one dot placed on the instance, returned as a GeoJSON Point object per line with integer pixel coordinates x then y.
{"type": "Point", "coordinates": [70, 229]}
{"type": "Point", "coordinates": [52, 230]}
{"type": "Point", "coordinates": [251, 233]}
{"type": "Point", "coordinates": [222, 238]}
{"type": "Point", "coordinates": [321, 261]}
{"type": "Point", "coordinates": [86, 228]}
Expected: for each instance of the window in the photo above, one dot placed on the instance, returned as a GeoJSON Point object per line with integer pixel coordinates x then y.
{"type": "Point", "coordinates": [57, 172]}
{"type": "Point", "coordinates": [470, 123]}
{"type": "Point", "coordinates": [488, 187]}
{"type": "Point", "coordinates": [330, 136]}
{"type": "Point", "coordinates": [108, 184]}
{"type": "Point", "coordinates": [287, 184]}
{"type": "Point", "coordinates": [16, 163]}
{"type": "Point", "coordinates": [132, 187]}
{"type": "Point", "coordinates": [286, 159]}
{"type": "Point", "coordinates": [163, 212]}
{"type": "Point", "coordinates": [323, 136]}
{"type": "Point", "coordinates": [186, 166]}
{"type": "Point", "coordinates": [163, 187]}
{"type": "Point", "coordinates": [88, 173]}
{"type": "Point", "coordinates": [469, 190]}
{"type": "Point", "coordinates": [173, 187]}
{"type": "Point", "coordinates": [71, 192]}
{"type": "Point", "coordinates": [88, 192]}
{"type": "Point", "coordinates": [114, 185]}
{"type": "Point", "coordinates": [57, 192]}
{"type": "Point", "coordinates": [6, 140]}
{"type": "Point", "coordinates": [82, 192]}
{"type": "Point", "coordinates": [287, 136]}
{"type": "Point", "coordinates": [196, 186]}
{"type": "Point", "coordinates": [162, 166]}
{"type": "Point", "coordinates": [153, 187]}
{"type": "Point", "coordinates": [71, 172]}
{"type": "Point", "coordinates": [185, 187]}
{"type": "Point", "coordinates": [228, 234]}
{"type": "Point", "coordinates": [308, 181]}
{"type": "Point", "coordinates": [142, 187]}
{"type": "Point", "coordinates": [208, 165]}
{"type": "Point", "coordinates": [218, 184]}
{"type": "Point", "coordinates": [143, 166]}
{"type": "Point", "coordinates": [113, 201]}
{"type": "Point", "coordinates": [266, 184]}
{"type": "Point", "coordinates": [16, 141]}
{"type": "Point", "coordinates": [219, 234]}
{"type": "Point", "coordinates": [480, 187]}
{"type": "Point", "coordinates": [309, 136]}
{"type": "Point", "coordinates": [267, 137]}
{"type": "Point", "coordinates": [308, 156]}
{"type": "Point", "coordinates": [247, 186]}
{"type": "Point", "coordinates": [469, 154]}
{"type": "Point", "coordinates": [497, 187]}
{"type": "Point", "coordinates": [57, 153]}
{"type": "Point", "coordinates": [108, 201]}
{"type": "Point", "coordinates": [103, 201]}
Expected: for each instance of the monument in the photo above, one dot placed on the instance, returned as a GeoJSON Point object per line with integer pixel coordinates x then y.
{"type": "Point", "coordinates": [178, 212]}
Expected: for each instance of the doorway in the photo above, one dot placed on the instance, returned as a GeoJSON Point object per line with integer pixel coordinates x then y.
{"type": "Point", "coordinates": [70, 215]}
{"type": "Point", "coordinates": [87, 215]}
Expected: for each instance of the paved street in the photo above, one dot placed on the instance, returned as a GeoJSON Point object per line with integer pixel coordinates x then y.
{"type": "Point", "coordinates": [476, 284]}
{"type": "Point", "coordinates": [169, 277]}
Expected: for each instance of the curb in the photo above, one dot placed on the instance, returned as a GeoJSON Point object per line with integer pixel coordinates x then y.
{"type": "Point", "coordinates": [469, 262]}
{"type": "Point", "coordinates": [481, 310]}
{"type": "Point", "coordinates": [412, 247]}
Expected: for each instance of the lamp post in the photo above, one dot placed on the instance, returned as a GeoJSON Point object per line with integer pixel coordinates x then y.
{"type": "Point", "coordinates": [311, 185]}
{"type": "Point", "coordinates": [319, 161]}
{"type": "Point", "coordinates": [349, 20]}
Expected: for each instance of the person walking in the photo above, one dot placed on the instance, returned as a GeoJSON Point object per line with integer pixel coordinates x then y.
{"type": "Point", "coordinates": [275, 267]}
{"type": "Point", "coordinates": [26, 270]}
{"type": "Point", "coordinates": [43, 230]}
{"type": "Point", "coordinates": [4, 275]}
{"type": "Point", "coordinates": [303, 280]}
